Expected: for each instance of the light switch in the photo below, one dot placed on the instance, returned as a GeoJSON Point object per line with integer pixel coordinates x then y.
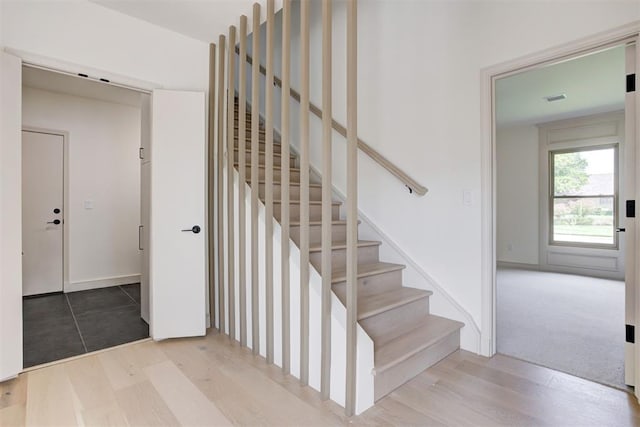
{"type": "Point", "coordinates": [88, 204]}
{"type": "Point", "coordinates": [467, 197]}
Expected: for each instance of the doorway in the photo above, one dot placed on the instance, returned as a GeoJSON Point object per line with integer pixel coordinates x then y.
{"type": "Point", "coordinates": [82, 209]}
{"type": "Point", "coordinates": [564, 169]}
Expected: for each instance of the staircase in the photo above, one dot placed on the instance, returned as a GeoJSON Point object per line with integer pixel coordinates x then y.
{"type": "Point", "coordinates": [407, 339]}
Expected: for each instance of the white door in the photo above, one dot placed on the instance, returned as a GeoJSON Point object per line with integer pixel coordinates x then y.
{"type": "Point", "coordinates": [628, 223]}
{"type": "Point", "coordinates": [42, 215]}
{"type": "Point", "coordinates": [177, 234]}
{"type": "Point", "coordinates": [10, 217]}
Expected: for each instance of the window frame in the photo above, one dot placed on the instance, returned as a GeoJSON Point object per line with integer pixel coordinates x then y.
{"type": "Point", "coordinates": [552, 197]}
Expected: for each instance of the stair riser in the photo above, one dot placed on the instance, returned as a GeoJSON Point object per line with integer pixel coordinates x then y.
{"type": "Point", "coordinates": [277, 160]}
{"type": "Point", "coordinates": [315, 193]}
{"type": "Point", "coordinates": [399, 318]}
{"type": "Point", "coordinates": [372, 284]}
{"type": "Point", "coordinates": [315, 212]}
{"type": "Point", "coordinates": [294, 175]}
{"type": "Point", "coordinates": [366, 255]}
{"type": "Point", "coordinates": [389, 380]}
{"type": "Point", "coordinates": [338, 233]}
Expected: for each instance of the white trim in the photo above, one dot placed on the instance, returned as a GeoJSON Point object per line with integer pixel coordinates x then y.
{"type": "Point", "coordinates": [83, 355]}
{"type": "Point", "coordinates": [488, 76]}
{"type": "Point", "coordinates": [71, 69]}
{"type": "Point", "coordinates": [592, 131]}
{"type": "Point", "coordinates": [101, 283]}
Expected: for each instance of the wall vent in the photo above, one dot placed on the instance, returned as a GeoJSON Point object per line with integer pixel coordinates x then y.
{"type": "Point", "coordinates": [554, 98]}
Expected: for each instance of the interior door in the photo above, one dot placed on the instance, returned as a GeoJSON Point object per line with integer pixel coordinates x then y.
{"type": "Point", "coordinates": [177, 235]}
{"type": "Point", "coordinates": [42, 215]}
{"type": "Point", "coordinates": [630, 190]}
{"type": "Point", "coordinates": [10, 216]}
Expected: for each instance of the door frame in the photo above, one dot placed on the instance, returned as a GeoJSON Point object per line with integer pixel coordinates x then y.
{"type": "Point", "coordinates": [48, 64]}
{"type": "Point", "coordinates": [65, 193]}
{"type": "Point", "coordinates": [615, 37]}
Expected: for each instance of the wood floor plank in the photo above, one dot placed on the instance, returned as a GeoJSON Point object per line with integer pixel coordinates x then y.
{"type": "Point", "coordinates": [579, 405]}
{"type": "Point", "coordinates": [13, 392]}
{"type": "Point", "coordinates": [210, 380]}
{"type": "Point", "coordinates": [11, 416]}
{"type": "Point", "coordinates": [108, 415]}
{"type": "Point", "coordinates": [51, 400]}
{"type": "Point", "coordinates": [143, 406]}
{"type": "Point", "coordinates": [183, 398]}
{"type": "Point", "coordinates": [90, 383]}
{"type": "Point", "coordinates": [229, 396]}
{"type": "Point", "coordinates": [124, 366]}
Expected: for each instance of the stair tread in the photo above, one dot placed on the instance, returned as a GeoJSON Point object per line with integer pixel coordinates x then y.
{"type": "Point", "coordinates": [292, 183]}
{"type": "Point", "coordinates": [262, 166]}
{"type": "Point", "coordinates": [293, 156]}
{"type": "Point", "coordinates": [373, 304]}
{"type": "Point", "coordinates": [334, 222]}
{"type": "Point", "coordinates": [317, 247]}
{"type": "Point", "coordinates": [364, 270]}
{"type": "Point", "coordinates": [311, 202]}
{"type": "Point", "coordinates": [392, 349]}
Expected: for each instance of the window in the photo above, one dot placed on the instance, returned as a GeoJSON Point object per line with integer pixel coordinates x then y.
{"type": "Point", "coordinates": [583, 197]}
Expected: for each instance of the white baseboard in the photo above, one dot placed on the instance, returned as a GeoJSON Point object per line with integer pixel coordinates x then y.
{"type": "Point", "coordinates": [101, 283]}
{"type": "Point", "coordinates": [517, 265]}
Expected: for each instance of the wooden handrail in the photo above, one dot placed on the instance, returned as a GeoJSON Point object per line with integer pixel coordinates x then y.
{"type": "Point", "coordinates": [410, 183]}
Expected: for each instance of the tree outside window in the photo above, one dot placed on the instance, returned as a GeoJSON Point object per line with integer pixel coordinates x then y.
{"type": "Point", "coordinates": [583, 195]}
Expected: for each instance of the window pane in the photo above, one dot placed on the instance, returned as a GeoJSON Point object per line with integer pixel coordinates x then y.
{"type": "Point", "coordinates": [588, 220]}
{"type": "Point", "coordinates": [584, 173]}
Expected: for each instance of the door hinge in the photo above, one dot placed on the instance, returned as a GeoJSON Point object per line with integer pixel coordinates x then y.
{"type": "Point", "coordinates": [630, 333]}
{"type": "Point", "coordinates": [631, 209]}
{"type": "Point", "coordinates": [631, 83]}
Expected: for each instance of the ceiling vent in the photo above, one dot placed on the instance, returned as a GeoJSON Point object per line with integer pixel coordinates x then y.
{"type": "Point", "coordinates": [554, 98]}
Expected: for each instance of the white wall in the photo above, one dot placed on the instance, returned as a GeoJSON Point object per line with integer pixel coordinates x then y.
{"type": "Point", "coordinates": [419, 105]}
{"type": "Point", "coordinates": [83, 33]}
{"type": "Point", "coordinates": [103, 168]}
{"type": "Point", "coordinates": [517, 169]}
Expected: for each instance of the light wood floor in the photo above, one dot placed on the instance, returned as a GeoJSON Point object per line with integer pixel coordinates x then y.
{"type": "Point", "coordinates": [209, 381]}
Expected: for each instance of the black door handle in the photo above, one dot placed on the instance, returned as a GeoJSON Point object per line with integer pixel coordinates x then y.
{"type": "Point", "coordinates": [195, 229]}
{"type": "Point", "coordinates": [620, 230]}
{"type": "Point", "coordinates": [55, 221]}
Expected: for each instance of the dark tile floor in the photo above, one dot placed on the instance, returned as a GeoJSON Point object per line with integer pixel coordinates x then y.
{"type": "Point", "coordinates": [57, 326]}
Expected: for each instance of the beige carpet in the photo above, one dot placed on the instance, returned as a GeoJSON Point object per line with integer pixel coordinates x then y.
{"type": "Point", "coordinates": [570, 323]}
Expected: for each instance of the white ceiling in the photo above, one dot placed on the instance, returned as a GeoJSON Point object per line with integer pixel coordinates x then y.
{"type": "Point", "coordinates": [592, 84]}
{"type": "Point", "coordinates": [78, 86]}
{"type": "Point", "coordinates": [204, 20]}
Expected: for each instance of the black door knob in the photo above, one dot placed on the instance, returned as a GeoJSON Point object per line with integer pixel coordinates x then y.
{"type": "Point", "coordinates": [195, 229]}
{"type": "Point", "coordinates": [56, 211]}
{"type": "Point", "coordinates": [55, 221]}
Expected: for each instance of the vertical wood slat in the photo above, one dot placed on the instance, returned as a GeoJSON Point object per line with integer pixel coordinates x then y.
{"type": "Point", "coordinates": [211, 168]}
{"type": "Point", "coordinates": [304, 191]}
{"type": "Point", "coordinates": [325, 374]}
{"type": "Point", "coordinates": [242, 148]}
{"type": "Point", "coordinates": [221, 309]}
{"type": "Point", "coordinates": [269, 178]}
{"type": "Point", "coordinates": [231, 74]}
{"type": "Point", "coordinates": [255, 147]}
{"type": "Point", "coordinates": [284, 183]}
{"type": "Point", "coordinates": [352, 204]}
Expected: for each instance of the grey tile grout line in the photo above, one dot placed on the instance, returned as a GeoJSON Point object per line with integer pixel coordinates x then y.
{"type": "Point", "coordinates": [76, 322]}
{"type": "Point", "coordinates": [127, 294]}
